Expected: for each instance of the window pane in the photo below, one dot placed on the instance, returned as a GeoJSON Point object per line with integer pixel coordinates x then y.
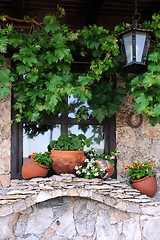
{"type": "Point", "coordinates": [39, 142]}
{"type": "Point", "coordinates": [74, 104]}
{"type": "Point", "coordinates": [94, 132]}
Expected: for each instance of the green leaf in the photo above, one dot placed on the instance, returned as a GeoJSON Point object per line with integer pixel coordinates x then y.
{"type": "Point", "coordinates": [32, 95]}
{"type": "Point", "coordinates": [61, 53]}
{"type": "Point", "coordinates": [5, 76]}
{"type": "Point", "coordinates": [154, 56]}
{"type": "Point", "coordinates": [21, 69]}
{"type": "Point", "coordinates": [83, 80]}
{"type": "Point", "coordinates": [3, 47]}
{"type": "Point", "coordinates": [144, 100]}
{"type": "Point", "coordinates": [153, 67]}
{"type": "Point", "coordinates": [99, 114]}
{"type": "Point", "coordinates": [54, 80]}
{"type": "Point", "coordinates": [32, 78]}
{"type": "Point", "coordinates": [149, 80]}
{"type": "Point", "coordinates": [4, 90]}
{"type": "Point", "coordinates": [33, 116]}
{"type": "Point", "coordinates": [93, 44]}
{"type": "Point", "coordinates": [51, 58]}
{"type": "Point", "coordinates": [157, 110]}
{"type": "Point", "coordinates": [29, 60]}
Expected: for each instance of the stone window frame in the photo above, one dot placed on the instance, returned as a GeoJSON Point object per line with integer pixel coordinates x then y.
{"type": "Point", "coordinates": [109, 126]}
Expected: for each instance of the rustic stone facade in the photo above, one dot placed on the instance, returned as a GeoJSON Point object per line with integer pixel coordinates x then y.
{"type": "Point", "coordinates": [135, 143]}
{"type": "Point", "coordinates": [5, 141]}
{"type": "Point", "coordinates": [69, 208]}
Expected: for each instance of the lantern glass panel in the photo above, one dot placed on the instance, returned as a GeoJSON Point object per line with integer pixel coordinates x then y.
{"type": "Point", "coordinates": [140, 42]}
{"type": "Point", "coordinates": [127, 38]}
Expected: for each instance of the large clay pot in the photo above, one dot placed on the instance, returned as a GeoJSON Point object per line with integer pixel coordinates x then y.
{"type": "Point", "coordinates": [31, 169]}
{"type": "Point", "coordinates": [146, 185]}
{"type": "Point", "coordinates": [106, 164]}
{"type": "Point", "coordinates": [65, 161]}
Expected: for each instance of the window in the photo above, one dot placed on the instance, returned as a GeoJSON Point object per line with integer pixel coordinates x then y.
{"type": "Point", "coordinates": [55, 127]}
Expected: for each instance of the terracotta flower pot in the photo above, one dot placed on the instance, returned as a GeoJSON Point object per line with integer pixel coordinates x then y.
{"type": "Point", "coordinates": [146, 185]}
{"type": "Point", "coordinates": [31, 169]}
{"type": "Point", "coordinates": [106, 164]}
{"type": "Point", "coordinates": [65, 161]}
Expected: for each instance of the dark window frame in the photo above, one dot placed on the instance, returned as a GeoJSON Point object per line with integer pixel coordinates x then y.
{"type": "Point", "coordinates": [109, 126]}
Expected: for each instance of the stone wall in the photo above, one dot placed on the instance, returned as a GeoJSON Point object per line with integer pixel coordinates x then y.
{"type": "Point", "coordinates": [136, 143]}
{"type": "Point", "coordinates": [5, 141]}
{"type": "Point", "coordinates": [69, 208]}
{"type": "Point", "coordinates": [78, 219]}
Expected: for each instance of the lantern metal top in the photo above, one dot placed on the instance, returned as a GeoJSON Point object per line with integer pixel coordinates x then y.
{"type": "Point", "coordinates": [148, 31]}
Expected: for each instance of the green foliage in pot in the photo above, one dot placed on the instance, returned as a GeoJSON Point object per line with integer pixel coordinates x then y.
{"type": "Point", "coordinates": [42, 158]}
{"type": "Point", "coordinates": [70, 142]}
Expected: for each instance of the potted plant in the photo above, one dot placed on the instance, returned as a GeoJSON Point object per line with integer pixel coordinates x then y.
{"type": "Point", "coordinates": [96, 165]}
{"type": "Point", "coordinates": [67, 152]}
{"type": "Point", "coordinates": [142, 178]}
{"type": "Point", "coordinates": [37, 165]}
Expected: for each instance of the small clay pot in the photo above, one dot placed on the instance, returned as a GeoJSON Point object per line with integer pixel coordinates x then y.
{"type": "Point", "coordinates": [32, 169]}
{"type": "Point", "coordinates": [65, 161]}
{"type": "Point", "coordinates": [146, 185]}
{"type": "Point", "coordinates": [106, 164]}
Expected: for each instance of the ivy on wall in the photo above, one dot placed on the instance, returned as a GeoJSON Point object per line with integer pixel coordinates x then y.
{"type": "Point", "coordinates": [42, 78]}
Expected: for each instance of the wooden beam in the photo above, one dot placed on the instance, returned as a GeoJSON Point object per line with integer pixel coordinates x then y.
{"type": "Point", "coordinates": [18, 9]}
{"type": "Point", "coordinates": [92, 11]}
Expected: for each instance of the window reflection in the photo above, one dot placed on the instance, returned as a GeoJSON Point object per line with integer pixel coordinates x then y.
{"type": "Point", "coordinates": [94, 132]}
{"type": "Point", "coordinates": [36, 138]}
{"type": "Point", "coordinates": [75, 104]}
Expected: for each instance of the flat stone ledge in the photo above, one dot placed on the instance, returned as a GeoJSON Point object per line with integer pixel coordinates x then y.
{"type": "Point", "coordinates": [119, 195]}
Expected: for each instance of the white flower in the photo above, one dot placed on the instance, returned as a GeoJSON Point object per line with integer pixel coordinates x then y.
{"type": "Point", "coordinates": [91, 155]}
{"type": "Point", "coordinates": [96, 174]}
{"type": "Point", "coordinates": [84, 170]}
{"type": "Point", "coordinates": [76, 168]}
{"type": "Point", "coordinates": [86, 160]}
{"type": "Point", "coordinates": [112, 158]}
{"type": "Point", "coordinates": [92, 160]}
{"type": "Point", "coordinates": [88, 173]}
{"type": "Point", "coordinates": [103, 170]}
{"type": "Point", "coordinates": [106, 157]}
{"type": "Point", "coordinates": [78, 172]}
{"type": "Point", "coordinates": [92, 168]}
{"type": "Point", "coordinates": [89, 165]}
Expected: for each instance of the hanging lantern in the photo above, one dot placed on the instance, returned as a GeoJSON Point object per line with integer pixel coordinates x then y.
{"type": "Point", "coordinates": [135, 44]}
